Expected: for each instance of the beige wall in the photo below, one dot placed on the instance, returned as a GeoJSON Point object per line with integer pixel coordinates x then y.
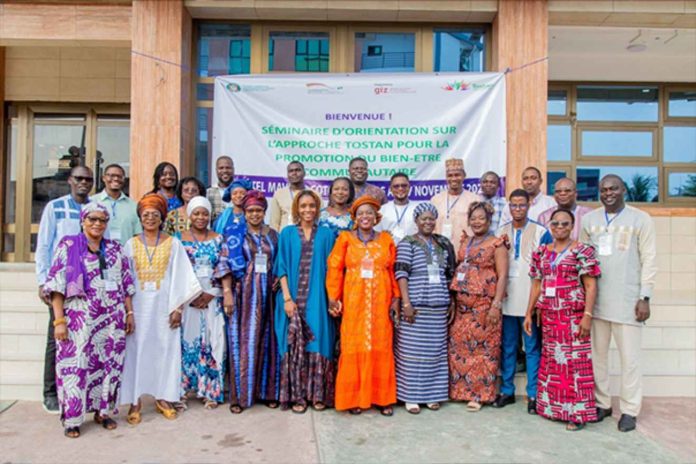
{"type": "Point", "coordinates": [68, 74]}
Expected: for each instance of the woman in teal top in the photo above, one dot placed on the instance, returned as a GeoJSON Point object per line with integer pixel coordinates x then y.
{"type": "Point", "coordinates": [304, 328]}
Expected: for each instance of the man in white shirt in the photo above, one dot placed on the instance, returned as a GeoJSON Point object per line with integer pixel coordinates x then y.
{"type": "Point", "coordinates": [624, 238]}
{"type": "Point", "coordinates": [59, 218]}
{"type": "Point", "coordinates": [453, 204]}
{"type": "Point", "coordinates": [397, 215]}
{"type": "Point", "coordinates": [224, 170]}
{"type": "Point", "coordinates": [525, 237]}
{"type": "Point", "coordinates": [538, 201]}
{"type": "Point", "coordinates": [281, 203]}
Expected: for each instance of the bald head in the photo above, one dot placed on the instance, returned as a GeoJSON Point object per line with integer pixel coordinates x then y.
{"type": "Point", "coordinates": [611, 192]}
{"type": "Point", "coordinates": [565, 193]}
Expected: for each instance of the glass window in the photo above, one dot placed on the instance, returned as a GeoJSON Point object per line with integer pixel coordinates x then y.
{"type": "Point", "coordinates": [204, 143]}
{"type": "Point", "coordinates": [11, 173]}
{"type": "Point", "coordinates": [681, 184]}
{"type": "Point", "coordinates": [205, 91]}
{"type": "Point", "coordinates": [385, 52]}
{"type": "Point", "coordinates": [557, 103]}
{"type": "Point", "coordinates": [617, 143]}
{"type": "Point", "coordinates": [57, 148]}
{"type": "Point", "coordinates": [457, 50]}
{"type": "Point", "coordinates": [298, 51]}
{"type": "Point", "coordinates": [679, 144]}
{"type": "Point", "coordinates": [641, 182]}
{"type": "Point", "coordinates": [223, 49]}
{"type": "Point", "coordinates": [113, 146]}
{"type": "Point", "coordinates": [617, 103]}
{"type": "Point", "coordinates": [682, 104]}
{"type": "Point", "coordinates": [558, 142]}
{"type": "Point", "coordinates": [551, 178]}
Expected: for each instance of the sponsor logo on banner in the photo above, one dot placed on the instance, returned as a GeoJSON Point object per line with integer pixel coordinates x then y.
{"type": "Point", "coordinates": [388, 88]}
{"type": "Point", "coordinates": [459, 86]}
{"type": "Point", "coordinates": [234, 88]}
{"type": "Point", "coordinates": [317, 88]}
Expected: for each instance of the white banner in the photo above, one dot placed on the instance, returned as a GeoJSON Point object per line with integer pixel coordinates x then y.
{"type": "Point", "coordinates": [407, 123]}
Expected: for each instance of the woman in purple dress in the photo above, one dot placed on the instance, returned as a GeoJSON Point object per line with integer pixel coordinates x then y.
{"type": "Point", "coordinates": [90, 287]}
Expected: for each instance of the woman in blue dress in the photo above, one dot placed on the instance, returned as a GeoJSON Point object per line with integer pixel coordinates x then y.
{"type": "Point", "coordinates": [304, 329]}
{"type": "Point", "coordinates": [336, 216]}
{"type": "Point", "coordinates": [203, 319]}
{"type": "Point", "coordinates": [232, 223]}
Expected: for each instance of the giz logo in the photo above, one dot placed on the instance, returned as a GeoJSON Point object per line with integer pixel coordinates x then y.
{"type": "Point", "coordinates": [381, 90]}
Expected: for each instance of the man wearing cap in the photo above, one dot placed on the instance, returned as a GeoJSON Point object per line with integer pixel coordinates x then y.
{"type": "Point", "coordinates": [453, 204]}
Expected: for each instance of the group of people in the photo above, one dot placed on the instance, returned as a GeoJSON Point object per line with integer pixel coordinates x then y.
{"type": "Point", "coordinates": [359, 303]}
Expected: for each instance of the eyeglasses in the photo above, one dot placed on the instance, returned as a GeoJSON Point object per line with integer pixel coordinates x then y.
{"type": "Point", "coordinates": [560, 223]}
{"type": "Point", "coordinates": [79, 179]}
{"type": "Point", "coordinates": [95, 220]}
{"type": "Point", "coordinates": [518, 206]}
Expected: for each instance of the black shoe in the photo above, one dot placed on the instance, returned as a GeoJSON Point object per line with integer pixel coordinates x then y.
{"type": "Point", "coordinates": [503, 400]}
{"type": "Point", "coordinates": [531, 406]}
{"type": "Point", "coordinates": [627, 423]}
{"type": "Point", "coordinates": [602, 413]}
{"type": "Point", "coordinates": [50, 405]}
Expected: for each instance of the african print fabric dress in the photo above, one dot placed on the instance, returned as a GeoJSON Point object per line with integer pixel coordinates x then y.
{"type": "Point", "coordinates": [474, 344]}
{"type": "Point", "coordinates": [89, 363]}
{"type": "Point", "coordinates": [252, 347]}
{"type": "Point", "coordinates": [305, 340]}
{"type": "Point", "coordinates": [336, 223]}
{"type": "Point", "coordinates": [566, 381]}
{"type": "Point", "coordinates": [366, 373]}
{"type": "Point", "coordinates": [420, 348]}
{"type": "Point", "coordinates": [176, 221]}
{"type": "Point", "coordinates": [203, 330]}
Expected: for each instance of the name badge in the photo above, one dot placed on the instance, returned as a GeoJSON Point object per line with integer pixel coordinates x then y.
{"type": "Point", "coordinates": [550, 292]}
{"type": "Point", "coordinates": [461, 276]}
{"type": "Point", "coordinates": [398, 233]}
{"type": "Point", "coordinates": [203, 271]}
{"type": "Point", "coordinates": [605, 244]}
{"type": "Point", "coordinates": [447, 230]}
{"type": "Point", "coordinates": [111, 285]}
{"type": "Point", "coordinates": [261, 263]}
{"type": "Point", "coordinates": [367, 268]}
{"type": "Point", "coordinates": [149, 286]}
{"type": "Point", "coordinates": [433, 274]}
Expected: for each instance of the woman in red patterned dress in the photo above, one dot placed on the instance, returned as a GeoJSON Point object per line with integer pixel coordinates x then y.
{"type": "Point", "coordinates": [474, 336]}
{"type": "Point", "coordinates": [564, 287]}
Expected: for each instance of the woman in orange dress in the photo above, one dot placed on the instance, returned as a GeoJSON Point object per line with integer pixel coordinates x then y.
{"type": "Point", "coordinates": [361, 287]}
{"type": "Point", "coordinates": [475, 333]}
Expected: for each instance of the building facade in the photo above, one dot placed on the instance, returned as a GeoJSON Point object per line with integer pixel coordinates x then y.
{"type": "Point", "coordinates": [594, 87]}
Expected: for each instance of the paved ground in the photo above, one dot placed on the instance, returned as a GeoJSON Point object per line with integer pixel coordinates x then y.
{"type": "Point", "coordinates": [667, 434]}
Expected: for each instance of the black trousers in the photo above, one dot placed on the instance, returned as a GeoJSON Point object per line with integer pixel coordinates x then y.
{"type": "Point", "coordinates": [50, 360]}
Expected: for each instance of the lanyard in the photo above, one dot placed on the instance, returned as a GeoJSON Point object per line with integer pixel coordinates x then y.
{"type": "Point", "coordinates": [147, 252]}
{"type": "Point", "coordinates": [609, 221]}
{"type": "Point", "coordinates": [468, 247]}
{"type": "Point", "coordinates": [449, 208]}
{"type": "Point", "coordinates": [403, 213]}
{"type": "Point", "coordinates": [431, 248]}
{"type": "Point", "coordinates": [517, 239]}
{"type": "Point", "coordinates": [558, 258]}
{"type": "Point", "coordinates": [113, 208]}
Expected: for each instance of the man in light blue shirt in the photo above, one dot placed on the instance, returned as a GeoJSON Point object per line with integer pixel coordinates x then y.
{"type": "Point", "coordinates": [60, 217]}
{"type": "Point", "coordinates": [124, 222]}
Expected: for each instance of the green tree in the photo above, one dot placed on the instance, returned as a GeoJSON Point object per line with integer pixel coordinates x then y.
{"type": "Point", "coordinates": [640, 188]}
{"type": "Point", "coordinates": [689, 187]}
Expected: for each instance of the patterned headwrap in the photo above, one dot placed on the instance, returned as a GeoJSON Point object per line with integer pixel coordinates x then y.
{"type": "Point", "coordinates": [254, 198]}
{"type": "Point", "coordinates": [422, 208]}
{"type": "Point", "coordinates": [155, 201]}
{"type": "Point", "coordinates": [198, 202]}
{"type": "Point", "coordinates": [365, 200]}
{"type": "Point", "coordinates": [237, 183]}
{"type": "Point", "coordinates": [454, 164]}
{"type": "Point", "coordinates": [91, 207]}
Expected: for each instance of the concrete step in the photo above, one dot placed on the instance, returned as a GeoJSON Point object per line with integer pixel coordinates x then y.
{"type": "Point", "coordinates": [21, 300]}
{"type": "Point", "coordinates": [17, 276]}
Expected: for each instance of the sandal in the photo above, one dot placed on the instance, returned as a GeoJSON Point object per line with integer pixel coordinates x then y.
{"type": "Point", "coordinates": [272, 404]}
{"type": "Point", "coordinates": [355, 411]}
{"type": "Point", "coordinates": [209, 404]}
{"type": "Point", "coordinates": [386, 411]}
{"type": "Point", "coordinates": [319, 406]}
{"type": "Point", "coordinates": [181, 405]}
{"type": "Point", "coordinates": [573, 427]}
{"type": "Point", "coordinates": [473, 406]}
{"type": "Point", "coordinates": [72, 432]}
{"type": "Point", "coordinates": [169, 413]}
{"type": "Point", "coordinates": [134, 417]}
{"type": "Point", "coordinates": [236, 409]}
{"type": "Point", "coordinates": [299, 408]}
{"type": "Point", "coordinates": [412, 408]}
{"type": "Point", "coordinates": [433, 406]}
{"type": "Point", "coordinates": [105, 421]}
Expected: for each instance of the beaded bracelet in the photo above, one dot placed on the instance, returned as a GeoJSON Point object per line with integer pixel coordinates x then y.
{"type": "Point", "coordinates": [59, 321]}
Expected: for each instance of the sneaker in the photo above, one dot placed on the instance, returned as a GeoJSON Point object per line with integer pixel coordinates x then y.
{"type": "Point", "coordinates": [627, 423]}
{"type": "Point", "coordinates": [50, 405]}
